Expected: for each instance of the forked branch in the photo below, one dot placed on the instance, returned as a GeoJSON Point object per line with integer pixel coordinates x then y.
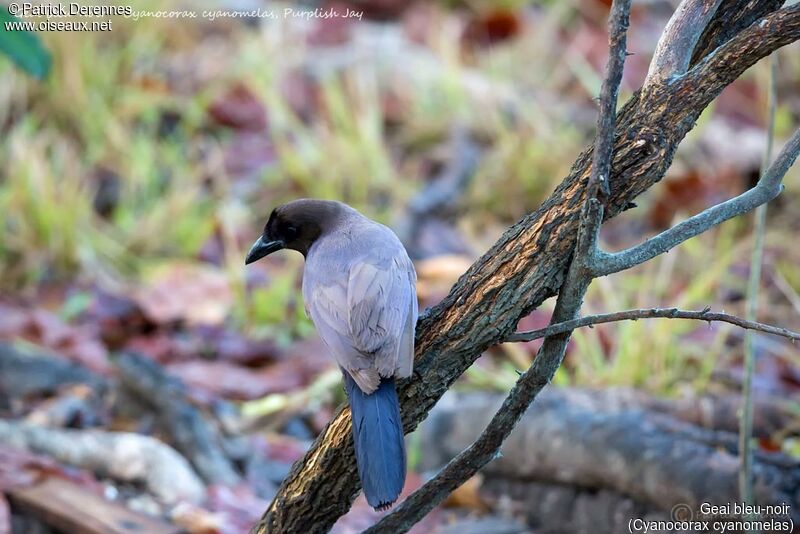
{"type": "Point", "coordinates": [768, 187]}
{"type": "Point", "coordinates": [676, 45]}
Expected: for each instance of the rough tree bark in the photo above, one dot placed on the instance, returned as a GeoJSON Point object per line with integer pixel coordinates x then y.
{"type": "Point", "coordinates": [528, 263]}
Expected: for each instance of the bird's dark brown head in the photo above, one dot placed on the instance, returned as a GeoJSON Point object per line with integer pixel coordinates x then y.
{"type": "Point", "coordinates": [295, 225]}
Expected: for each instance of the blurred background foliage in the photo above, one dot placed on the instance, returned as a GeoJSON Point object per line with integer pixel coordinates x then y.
{"type": "Point", "coordinates": [149, 159]}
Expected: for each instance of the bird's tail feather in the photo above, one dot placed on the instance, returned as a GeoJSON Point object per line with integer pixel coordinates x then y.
{"type": "Point", "coordinates": [378, 439]}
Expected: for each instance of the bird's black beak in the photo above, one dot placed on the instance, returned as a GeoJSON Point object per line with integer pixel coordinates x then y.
{"type": "Point", "coordinates": [262, 248]}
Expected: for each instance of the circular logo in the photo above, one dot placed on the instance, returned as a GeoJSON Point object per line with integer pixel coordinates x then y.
{"type": "Point", "coordinates": [681, 512]}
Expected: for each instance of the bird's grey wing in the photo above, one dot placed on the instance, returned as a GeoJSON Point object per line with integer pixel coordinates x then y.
{"type": "Point", "coordinates": [383, 307]}
{"type": "Point", "coordinates": [327, 307]}
{"type": "Point", "coordinates": [369, 325]}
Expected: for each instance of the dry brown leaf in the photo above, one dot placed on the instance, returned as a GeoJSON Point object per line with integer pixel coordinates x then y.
{"type": "Point", "coordinates": [438, 274]}
{"type": "Point", "coordinates": [467, 495]}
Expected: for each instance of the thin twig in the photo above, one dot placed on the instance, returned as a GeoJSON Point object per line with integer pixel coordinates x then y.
{"type": "Point", "coordinates": [652, 313]}
{"type": "Point", "coordinates": [609, 92]}
{"type": "Point", "coordinates": [746, 426]}
{"type": "Point", "coordinates": [768, 187]}
{"type": "Point", "coordinates": [676, 45]}
{"type": "Point", "coordinates": [570, 298]}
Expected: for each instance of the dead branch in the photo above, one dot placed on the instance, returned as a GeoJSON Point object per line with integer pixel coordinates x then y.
{"type": "Point", "coordinates": [573, 438]}
{"type": "Point", "coordinates": [666, 313]}
{"type": "Point", "coordinates": [768, 187]}
{"type": "Point", "coordinates": [120, 455]}
{"type": "Point", "coordinates": [529, 262]}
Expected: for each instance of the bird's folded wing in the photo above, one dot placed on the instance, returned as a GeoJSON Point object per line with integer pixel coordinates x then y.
{"type": "Point", "coordinates": [369, 325]}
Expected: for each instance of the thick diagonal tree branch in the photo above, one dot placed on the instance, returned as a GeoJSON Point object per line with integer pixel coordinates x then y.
{"type": "Point", "coordinates": [529, 262]}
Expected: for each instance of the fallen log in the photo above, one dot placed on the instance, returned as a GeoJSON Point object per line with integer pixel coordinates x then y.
{"type": "Point", "coordinates": [649, 457]}
{"type": "Point", "coordinates": [119, 455]}
{"type": "Point", "coordinates": [772, 415]}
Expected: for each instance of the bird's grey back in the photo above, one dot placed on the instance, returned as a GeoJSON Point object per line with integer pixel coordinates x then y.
{"type": "Point", "coordinates": [351, 239]}
{"type": "Point", "coordinates": [359, 288]}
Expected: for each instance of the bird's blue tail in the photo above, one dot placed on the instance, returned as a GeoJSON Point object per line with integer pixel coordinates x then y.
{"type": "Point", "coordinates": [378, 439]}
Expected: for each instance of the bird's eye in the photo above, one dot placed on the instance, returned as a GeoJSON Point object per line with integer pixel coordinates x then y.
{"type": "Point", "coordinates": [290, 232]}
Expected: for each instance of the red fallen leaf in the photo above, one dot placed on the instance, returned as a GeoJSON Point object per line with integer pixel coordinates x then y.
{"type": "Point", "coordinates": [492, 27]}
{"type": "Point", "coordinates": [692, 193]}
{"type": "Point", "coordinates": [311, 355]}
{"type": "Point", "coordinates": [741, 103]}
{"type": "Point", "coordinates": [229, 510]}
{"type": "Point", "coordinates": [161, 346]}
{"type": "Point", "coordinates": [395, 107]}
{"type": "Point", "coordinates": [232, 346]}
{"type": "Point", "coordinates": [320, 418]}
{"type": "Point", "coordinates": [183, 291]}
{"type": "Point", "coordinates": [535, 321]}
{"type": "Point", "coordinates": [769, 445]}
{"type": "Point", "coordinates": [117, 317]}
{"type": "Point", "coordinates": [12, 321]}
{"type": "Point", "coordinates": [302, 93]}
{"type": "Point", "coordinates": [232, 381]}
{"type": "Point", "coordinates": [239, 108]}
{"type": "Point", "coordinates": [197, 520]}
{"type": "Point", "coordinates": [213, 342]}
{"type": "Point", "coordinates": [47, 328]}
{"type": "Point", "coordinates": [88, 351]}
{"type": "Point", "coordinates": [213, 248]}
